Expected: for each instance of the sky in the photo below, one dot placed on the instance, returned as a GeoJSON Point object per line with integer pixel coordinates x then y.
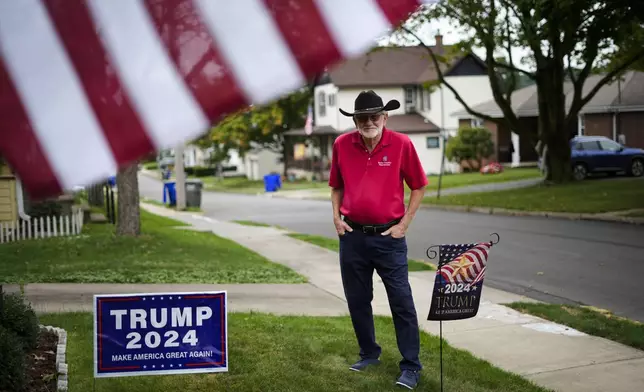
{"type": "Point", "coordinates": [452, 35]}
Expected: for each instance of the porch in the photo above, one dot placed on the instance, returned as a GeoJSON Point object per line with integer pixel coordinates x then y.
{"type": "Point", "coordinates": [309, 156]}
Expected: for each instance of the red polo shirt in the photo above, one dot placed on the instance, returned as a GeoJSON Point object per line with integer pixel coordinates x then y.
{"type": "Point", "coordinates": [373, 182]}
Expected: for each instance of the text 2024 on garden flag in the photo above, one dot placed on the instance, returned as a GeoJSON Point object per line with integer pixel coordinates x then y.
{"type": "Point", "coordinates": [89, 86]}
{"type": "Point", "coordinates": [459, 281]}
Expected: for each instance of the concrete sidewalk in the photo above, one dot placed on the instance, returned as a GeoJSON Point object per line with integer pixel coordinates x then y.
{"type": "Point", "coordinates": [551, 355]}
{"type": "Point", "coordinates": [324, 193]}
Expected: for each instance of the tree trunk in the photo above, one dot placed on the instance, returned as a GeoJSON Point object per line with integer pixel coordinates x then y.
{"type": "Point", "coordinates": [128, 220]}
{"type": "Point", "coordinates": [558, 156]}
{"type": "Point", "coordinates": [552, 123]}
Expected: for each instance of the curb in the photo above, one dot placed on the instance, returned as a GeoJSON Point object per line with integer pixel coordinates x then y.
{"type": "Point", "coordinates": [603, 217]}
{"type": "Point", "coordinates": [61, 351]}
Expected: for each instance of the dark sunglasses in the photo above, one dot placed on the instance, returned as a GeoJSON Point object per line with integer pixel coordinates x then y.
{"type": "Point", "coordinates": [362, 118]}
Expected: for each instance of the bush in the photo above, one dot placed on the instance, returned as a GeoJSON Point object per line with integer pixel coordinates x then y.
{"type": "Point", "coordinates": [200, 171]}
{"type": "Point", "coordinates": [471, 145]}
{"type": "Point", "coordinates": [19, 318]}
{"type": "Point", "coordinates": [13, 375]}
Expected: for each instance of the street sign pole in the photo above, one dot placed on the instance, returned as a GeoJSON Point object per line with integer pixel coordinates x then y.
{"type": "Point", "coordinates": [180, 184]}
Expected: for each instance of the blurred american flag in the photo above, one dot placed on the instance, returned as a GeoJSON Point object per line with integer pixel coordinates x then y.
{"type": "Point", "coordinates": [89, 86]}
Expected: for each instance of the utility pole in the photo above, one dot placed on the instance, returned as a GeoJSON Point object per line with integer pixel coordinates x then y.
{"type": "Point", "coordinates": [442, 142]}
{"type": "Point", "coordinates": [180, 184]}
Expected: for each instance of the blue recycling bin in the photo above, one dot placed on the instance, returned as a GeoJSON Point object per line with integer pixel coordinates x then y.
{"type": "Point", "coordinates": [272, 182]}
{"type": "Point", "coordinates": [170, 193]}
{"type": "Point", "coordinates": [112, 181]}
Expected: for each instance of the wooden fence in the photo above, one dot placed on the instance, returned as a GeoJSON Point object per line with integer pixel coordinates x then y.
{"type": "Point", "coordinates": [43, 227]}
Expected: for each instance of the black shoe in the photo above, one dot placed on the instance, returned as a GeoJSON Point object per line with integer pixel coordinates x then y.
{"type": "Point", "coordinates": [408, 379]}
{"type": "Point", "coordinates": [363, 363]}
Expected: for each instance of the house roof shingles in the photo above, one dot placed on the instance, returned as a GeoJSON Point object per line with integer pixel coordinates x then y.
{"type": "Point", "coordinates": [388, 67]}
{"type": "Point", "coordinates": [525, 102]}
{"type": "Point", "coordinates": [410, 123]}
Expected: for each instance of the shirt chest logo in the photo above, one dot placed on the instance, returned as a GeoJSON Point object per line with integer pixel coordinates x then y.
{"type": "Point", "coordinates": [384, 162]}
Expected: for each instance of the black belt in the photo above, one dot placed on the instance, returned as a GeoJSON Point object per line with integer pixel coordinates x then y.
{"type": "Point", "coordinates": [371, 229]}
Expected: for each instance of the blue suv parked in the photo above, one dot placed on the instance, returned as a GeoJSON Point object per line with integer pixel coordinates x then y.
{"type": "Point", "coordinates": [598, 154]}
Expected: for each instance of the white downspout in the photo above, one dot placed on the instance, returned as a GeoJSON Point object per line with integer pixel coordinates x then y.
{"type": "Point", "coordinates": [614, 126]}
{"type": "Point", "coordinates": [516, 155]}
{"type": "Point", "coordinates": [20, 200]}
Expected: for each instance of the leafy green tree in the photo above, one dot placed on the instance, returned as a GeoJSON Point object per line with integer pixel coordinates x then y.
{"type": "Point", "coordinates": [566, 40]}
{"type": "Point", "coordinates": [472, 145]}
{"type": "Point", "coordinates": [260, 126]}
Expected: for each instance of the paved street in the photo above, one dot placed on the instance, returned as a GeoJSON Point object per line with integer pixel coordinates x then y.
{"type": "Point", "coordinates": [594, 263]}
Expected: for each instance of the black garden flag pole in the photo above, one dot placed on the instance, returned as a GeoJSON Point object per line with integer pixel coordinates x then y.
{"type": "Point", "coordinates": [458, 283]}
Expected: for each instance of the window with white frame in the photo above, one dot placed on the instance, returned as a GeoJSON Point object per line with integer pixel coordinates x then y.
{"type": "Point", "coordinates": [410, 99]}
{"type": "Point", "coordinates": [476, 122]}
{"type": "Point", "coordinates": [331, 100]}
{"type": "Point", "coordinates": [322, 103]}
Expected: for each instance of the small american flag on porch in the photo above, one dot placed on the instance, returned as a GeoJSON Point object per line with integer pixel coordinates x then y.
{"type": "Point", "coordinates": [308, 126]}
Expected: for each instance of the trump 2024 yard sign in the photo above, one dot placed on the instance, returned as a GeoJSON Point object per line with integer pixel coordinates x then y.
{"type": "Point", "coordinates": [160, 334]}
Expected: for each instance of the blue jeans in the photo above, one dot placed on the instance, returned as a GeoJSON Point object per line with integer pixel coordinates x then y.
{"type": "Point", "coordinates": [360, 255]}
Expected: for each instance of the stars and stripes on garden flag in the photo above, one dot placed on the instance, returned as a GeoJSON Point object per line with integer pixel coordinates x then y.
{"type": "Point", "coordinates": [89, 86]}
{"type": "Point", "coordinates": [463, 263]}
{"type": "Point", "coordinates": [459, 280]}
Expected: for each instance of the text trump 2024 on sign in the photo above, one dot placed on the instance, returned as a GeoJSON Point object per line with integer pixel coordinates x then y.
{"type": "Point", "coordinates": [160, 334]}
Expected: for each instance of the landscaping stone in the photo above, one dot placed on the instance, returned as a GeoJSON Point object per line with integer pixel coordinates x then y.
{"type": "Point", "coordinates": [61, 366]}
{"type": "Point", "coordinates": [97, 217]}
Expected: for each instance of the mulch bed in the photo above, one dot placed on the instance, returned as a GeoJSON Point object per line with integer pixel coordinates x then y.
{"type": "Point", "coordinates": [41, 364]}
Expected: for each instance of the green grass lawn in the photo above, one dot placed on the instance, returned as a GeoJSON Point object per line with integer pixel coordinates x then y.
{"type": "Point", "coordinates": [252, 223]}
{"type": "Point", "coordinates": [592, 322]}
{"type": "Point", "coordinates": [244, 185]}
{"type": "Point", "coordinates": [590, 196]}
{"type": "Point", "coordinates": [334, 245]}
{"type": "Point", "coordinates": [160, 204]}
{"type": "Point", "coordinates": [476, 178]}
{"type": "Point", "coordinates": [285, 353]}
{"type": "Point", "coordinates": [162, 254]}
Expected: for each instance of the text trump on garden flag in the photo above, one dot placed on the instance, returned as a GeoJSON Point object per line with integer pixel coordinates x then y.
{"type": "Point", "coordinates": [160, 333]}
{"type": "Point", "coordinates": [459, 281]}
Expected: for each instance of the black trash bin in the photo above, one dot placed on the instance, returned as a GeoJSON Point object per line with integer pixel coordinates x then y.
{"type": "Point", "coordinates": [193, 192]}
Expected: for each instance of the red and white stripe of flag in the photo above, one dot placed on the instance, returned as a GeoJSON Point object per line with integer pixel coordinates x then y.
{"type": "Point", "coordinates": [88, 86]}
{"type": "Point", "coordinates": [477, 255]}
{"type": "Point", "coordinates": [308, 126]}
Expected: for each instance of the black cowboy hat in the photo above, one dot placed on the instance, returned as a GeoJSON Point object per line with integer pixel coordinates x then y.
{"type": "Point", "coordinates": [368, 102]}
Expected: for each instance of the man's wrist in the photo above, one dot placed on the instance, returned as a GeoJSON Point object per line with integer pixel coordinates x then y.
{"type": "Point", "coordinates": [404, 222]}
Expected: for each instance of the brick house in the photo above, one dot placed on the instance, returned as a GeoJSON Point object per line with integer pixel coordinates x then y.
{"type": "Point", "coordinates": [617, 109]}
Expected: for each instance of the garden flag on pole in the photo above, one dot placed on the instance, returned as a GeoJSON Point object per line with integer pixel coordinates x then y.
{"type": "Point", "coordinates": [459, 281]}
{"type": "Point", "coordinates": [89, 86]}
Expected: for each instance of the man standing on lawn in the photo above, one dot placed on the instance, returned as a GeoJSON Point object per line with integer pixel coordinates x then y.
{"type": "Point", "coordinates": [367, 171]}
